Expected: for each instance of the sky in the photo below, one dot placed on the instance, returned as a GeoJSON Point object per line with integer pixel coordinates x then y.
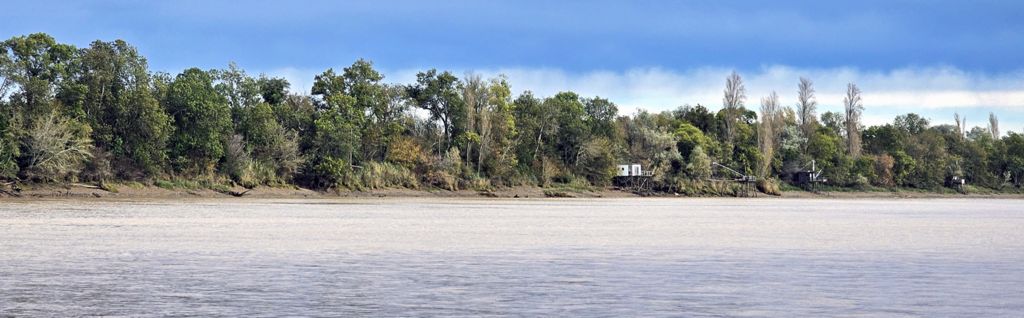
{"type": "Point", "coordinates": [929, 57]}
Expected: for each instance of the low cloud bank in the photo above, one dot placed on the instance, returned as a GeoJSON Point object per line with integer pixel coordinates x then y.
{"type": "Point", "coordinates": [934, 92]}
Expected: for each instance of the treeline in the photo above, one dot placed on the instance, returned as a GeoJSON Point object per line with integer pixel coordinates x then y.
{"type": "Point", "coordinates": [98, 114]}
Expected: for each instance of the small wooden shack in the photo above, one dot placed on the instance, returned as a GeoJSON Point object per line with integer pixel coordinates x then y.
{"type": "Point", "coordinates": [808, 179]}
{"type": "Point", "coordinates": [633, 177]}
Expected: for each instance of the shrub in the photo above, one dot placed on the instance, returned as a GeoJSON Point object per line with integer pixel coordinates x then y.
{"type": "Point", "coordinates": [57, 148]}
{"type": "Point", "coordinates": [444, 172]}
{"type": "Point", "coordinates": [273, 145]}
{"type": "Point", "coordinates": [477, 183]}
{"type": "Point", "coordinates": [708, 188]}
{"type": "Point", "coordinates": [597, 161]}
{"type": "Point", "coordinates": [551, 171]}
{"type": "Point", "coordinates": [9, 151]}
{"type": "Point", "coordinates": [883, 170]}
{"type": "Point", "coordinates": [442, 179]}
{"type": "Point", "coordinates": [860, 181]}
{"type": "Point", "coordinates": [256, 173]}
{"type": "Point", "coordinates": [404, 151]}
{"type": "Point", "coordinates": [107, 186]}
{"type": "Point", "coordinates": [164, 184]}
{"type": "Point", "coordinates": [236, 158]}
{"type": "Point", "coordinates": [769, 186]}
{"type": "Point", "coordinates": [379, 175]}
{"type": "Point", "coordinates": [699, 165]}
{"type": "Point", "coordinates": [330, 173]}
{"type": "Point", "coordinates": [99, 168]}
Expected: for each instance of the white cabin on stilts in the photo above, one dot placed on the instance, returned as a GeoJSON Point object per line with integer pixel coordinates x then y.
{"type": "Point", "coordinates": [631, 170]}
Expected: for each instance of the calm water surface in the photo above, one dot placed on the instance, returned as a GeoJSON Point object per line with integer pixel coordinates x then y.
{"type": "Point", "coordinates": [607, 257]}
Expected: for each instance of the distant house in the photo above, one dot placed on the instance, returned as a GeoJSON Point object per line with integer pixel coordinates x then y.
{"type": "Point", "coordinates": [809, 178]}
{"type": "Point", "coordinates": [632, 176]}
{"type": "Point", "coordinates": [630, 170]}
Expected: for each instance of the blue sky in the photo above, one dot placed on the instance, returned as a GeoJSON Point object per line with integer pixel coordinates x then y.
{"type": "Point", "coordinates": [930, 57]}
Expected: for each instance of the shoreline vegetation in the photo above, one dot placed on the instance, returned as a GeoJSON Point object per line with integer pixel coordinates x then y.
{"type": "Point", "coordinates": [95, 121]}
{"type": "Point", "coordinates": [186, 191]}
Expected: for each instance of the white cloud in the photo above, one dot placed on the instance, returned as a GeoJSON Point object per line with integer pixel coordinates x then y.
{"type": "Point", "coordinates": [934, 92]}
{"type": "Point", "coordinates": [931, 91]}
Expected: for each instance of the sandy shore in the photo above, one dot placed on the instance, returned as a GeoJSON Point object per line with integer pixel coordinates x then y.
{"type": "Point", "coordinates": [82, 191]}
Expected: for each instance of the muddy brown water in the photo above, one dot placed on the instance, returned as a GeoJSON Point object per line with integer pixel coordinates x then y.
{"type": "Point", "coordinates": [462, 257]}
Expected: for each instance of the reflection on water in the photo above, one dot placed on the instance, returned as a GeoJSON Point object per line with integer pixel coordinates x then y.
{"type": "Point", "coordinates": [657, 257]}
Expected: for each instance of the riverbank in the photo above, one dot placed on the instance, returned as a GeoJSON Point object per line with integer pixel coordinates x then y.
{"type": "Point", "coordinates": [140, 191]}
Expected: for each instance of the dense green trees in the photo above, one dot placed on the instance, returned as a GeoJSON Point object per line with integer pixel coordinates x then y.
{"type": "Point", "coordinates": [439, 95]}
{"type": "Point", "coordinates": [98, 114]}
{"type": "Point", "coordinates": [51, 139]}
{"type": "Point", "coordinates": [202, 122]}
{"type": "Point", "coordinates": [128, 123]}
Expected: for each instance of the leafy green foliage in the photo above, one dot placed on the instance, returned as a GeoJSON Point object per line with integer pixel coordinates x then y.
{"type": "Point", "coordinates": [126, 118]}
{"type": "Point", "coordinates": [1014, 162]}
{"type": "Point", "coordinates": [202, 120]}
{"type": "Point", "coordinates": [699, 164]}
{"type": "Point", "coordinates": [98, 113]}
{"type": "Point", "coordinates": [572, 129]}
{"type": "Point", "coordinates": [38, 66]}
{"type": "Point", "coordinates": [439, 95]}
{"type": "Point", "coordinates": [689, 137]}
{"type": "Point", "coordinates": [598, 161]}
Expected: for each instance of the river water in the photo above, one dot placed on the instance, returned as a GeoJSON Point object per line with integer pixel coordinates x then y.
{"type": "Point", "coordinates": [462, 257]}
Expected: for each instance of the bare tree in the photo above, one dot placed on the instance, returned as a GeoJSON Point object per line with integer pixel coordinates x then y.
{"type": "Point", "coordinates": [474, 92]}
{"type": "Point", "coordinates": [5, 85]}
{"type": "Point", "coordinates": [769, 129]}
{"type": "Point", "coordinates": [732, 103]}
{"type": "Point", "coordinates": [993, 125]}
{"type": "Point", "coordinates": [853, 106]}
{"type": "Point", "coordinates": [55, 149]}
{"type": "Point", "coordinates": [807, 106]}
{"type": "Point", "coordinates": [5, 81]}
{"type": "Point", "coordinates": [961, 124]}
{"type": "Point", "coordinates": [484, 126]}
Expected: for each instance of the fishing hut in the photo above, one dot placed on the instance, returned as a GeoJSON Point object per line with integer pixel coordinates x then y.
{"type": "Point", "coordinates": [809, 179]}
{"type": "Point", "coordinates": [633, 177]}
{"type": "Point", "coordinates": [747, 182]}
{"type": "Point", "coordinates": [955, 178]}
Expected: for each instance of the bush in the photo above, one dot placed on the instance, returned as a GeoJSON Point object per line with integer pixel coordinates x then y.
{"type": "Point", "coordinates": [57, 148]}
{"type": "Point", "coordinates": [477, 183]}
{"type": "Point", "coordinates": [107, 186]}
{"type": "Point", "coordinates": [597, 161]}
{"type": "Point", "coordinates": [286, 156]}
{"type": "Point", "coordinates": [860, 182]}
{"type": "Point", "coordinates": [380, 175]}
{"type": "Point", "coordinates": [99, 168]}
{"type": "Point", "coordinates": [557, 194]}
{"type": "Point", "coordinates": [404, 151]}
{"type": "Point", "coordinates": [330, 173]}
{"type": "Point", "coordinates": [444, 172]}
{"type": "Point", "coordinates": [164, 184]}
{"type": "Point", "coordinates": [269, 142]}
{"type": "Point", "coordinates": [709, 188]}
{"type": "Point", "coordinates": [236, 158]}
{"type": "Point", "coordinates": [883, 170]}
{"type": "Point", "coordinates": [442, 179]}
{"type": "Point", "coordinates": [256, 173]}
{"type": "Point", "coordinates": [864, 167]}
{"type": "Point", "coordinates": [9, 152]}
{"type": "Point", "coordinates": [699, 166]}
{"type": "Point", "coordinates": [769, 186]}
{"type": "Point", "coordinates": [189, 184]}
{"type": "Point", "coordinates": [552, 171]}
